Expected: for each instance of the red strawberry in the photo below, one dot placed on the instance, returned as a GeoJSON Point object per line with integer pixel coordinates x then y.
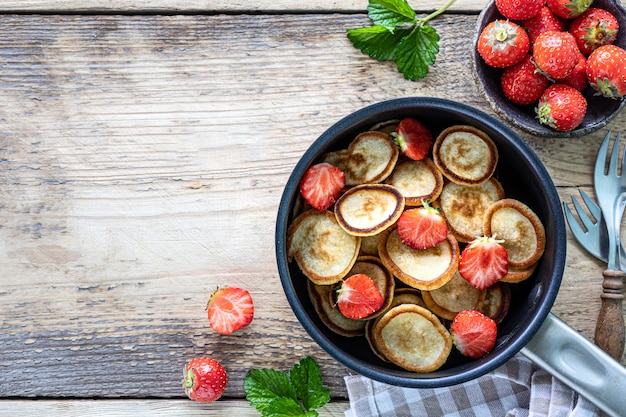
{"type": "Point", "coordinates": [204, 379]}
{"type": "Point", "coordinates": [522, 84]}
{"type": "Point", "coordinates": [484, 261]}
{"type": "Point", "coordinates": [543, 22]}
{"type": "Point", "coordinates": [561, 107]}
{"type": "Point", "coordinates": [503, 43]}
{"type": "Point", "coordinates": [358, 297]}
{"type": "Point", "coordinates": [230, 309]}
{"type": "Point", "coordinates": [422, 227]}
{"type": "Point", "coordinates": [474, 334]}
{"type": "Point", "coordinates": [519, 10]}
{"type": "Point", "coordinates": [555, 53]}
{"type": "Point", "coordinates": [568, 9]}
{"type": "Point", "coordinates": [413, 138]}
{"type": "Point", "coordinates": [594, 28]}
{"type": "Point", "coordinates": [322, 184]}
{"type": "Point", "coordinates": [578, 77]}
{"type": "Point", "coordinates": [606, 71]}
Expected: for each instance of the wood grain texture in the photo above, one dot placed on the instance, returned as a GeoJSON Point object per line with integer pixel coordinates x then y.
{"type": "Point", "coordinates": [144, 408]}
{"type": "Point", "coordinates": [142, 159]}
{"type": "Point", "coordinates": [211, 6]}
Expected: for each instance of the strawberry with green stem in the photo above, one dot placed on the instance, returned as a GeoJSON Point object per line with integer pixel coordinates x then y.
{"type": "Point", "coordinates": [398, 35]}
{"type": "Point", "coordinates": [606, 71]}
{"type": "Point", "coordinates": [561, 107]}
{"type": "Point", "coordinates": [568, 9]}
{"type": "Point", "coordinates": [204, 379]}
{"type": "Point", "coordinates": [503, 43]}
{"type": "Point", "coordinates": [594, 28]}
{"type": "Point", "coordinates": [413, 138]}
{"type": "Point", "coordinates": [422, 228]}
{"type": "Point", "coordinates": [555, 53]}
{"type": "Point", "coordinates": [522, 83]}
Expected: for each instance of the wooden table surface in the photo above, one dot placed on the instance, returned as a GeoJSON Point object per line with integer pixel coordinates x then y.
{"type": "Point", "coordinates": [144, 146]}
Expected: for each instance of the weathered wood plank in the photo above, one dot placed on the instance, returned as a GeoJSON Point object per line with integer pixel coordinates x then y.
{"type": "Point", "coordinates": [204, 6]}
{"type": "Point", "coordinates": [147, 408]}
{"type": "Point", "coordinates": [142, 160]}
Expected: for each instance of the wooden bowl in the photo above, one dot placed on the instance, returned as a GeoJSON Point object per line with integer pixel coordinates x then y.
{"type": "Point", "coordinates": [600, 110]}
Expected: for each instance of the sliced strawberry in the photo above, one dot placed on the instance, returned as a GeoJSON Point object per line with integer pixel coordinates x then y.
{"type": "Point", "coordinates": [359, 297]}
{"type": "Point", "coordinates": [483, 262]}
{"type": "Point", "coordinates": [230, 309]}
{"type": "Point", "coordinates": [322, 184]}
{"type": "Point", "coordinates": [474, 334]}
{"type": "Point", "coordinates": [422, 228]}
{"type": "Point", "coordinates": [413, 138]}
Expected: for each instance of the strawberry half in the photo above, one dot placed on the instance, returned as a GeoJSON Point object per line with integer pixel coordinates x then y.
{"type": "Point", "coordinates": [483, 262]}
{"type": "Point", "coordinates": [473, 333]}
{"type": "Point", "coordinates": [413, 138]}
{"type": "Point", "coordinates": [358, 297]}
{"type": "Point", "coordinates": [322, 184]}
{"type": "Point", "coordinates": [422, 228]}
{"type": "Point", "coordinates": [230, 309]}
{"type": "Point", "coordinates": [204, 379]}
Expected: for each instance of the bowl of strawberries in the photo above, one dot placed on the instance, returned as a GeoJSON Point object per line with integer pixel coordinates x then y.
{"type": "Point", "coordinates": [552, 68]}
{"type": "Point", "coordinates": [420, 242]}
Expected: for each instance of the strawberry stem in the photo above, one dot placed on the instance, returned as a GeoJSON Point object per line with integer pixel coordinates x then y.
{"type": "Point", "coordinates": [435, 13]}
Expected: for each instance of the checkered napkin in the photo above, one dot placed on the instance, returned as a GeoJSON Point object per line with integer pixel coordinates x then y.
{"type": "Point", "coordinates": [516, 389]}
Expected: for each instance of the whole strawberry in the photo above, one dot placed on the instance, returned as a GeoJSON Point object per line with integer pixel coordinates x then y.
{"type": "Point", "coordinates": [204, 379]}
{"type": "Point", "coordinates": [503, 43]}
{"type": "Point", "coordinates": [555, 53]}
{"type": "Point", "coordinates": [568, 9]}
{"type": "Point", "coordinates": [594, 28]}
{"type": "Point", "coordinates": [578, 77]}
{"type": "Point", "coordinates": [561, 107]}
{"type": "Point", "coordinates": [606, 71]}
{"type": "Point", "coordinates": [519, 10]}
{"type": "Point", "coordinates": [522, 84]}
{"type": "Point", "coordinates": [543, 22]}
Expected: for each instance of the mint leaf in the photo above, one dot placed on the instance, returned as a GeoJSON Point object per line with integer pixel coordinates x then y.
{"type": "Point", "coordinates": [307, 381]}
{"type": "Point", "coordinates": [376, 41]}
{"type": "Point", "coordinates": [398, 34]}
{"type": "Point", "coordinates": [278, 394]}
{"type": "Point", "coordinates": [416, 52]}
{"type": "Point", "coordinates": [265, 385]}
{"type": "Point", "coordinates": [390, 13]}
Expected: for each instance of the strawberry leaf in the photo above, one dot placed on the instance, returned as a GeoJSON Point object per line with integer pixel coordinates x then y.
{"type": "Point", "coordinates": [416, 52]}
{"type": "Point", "coordinates": [389, 13]}
{"type": "Point", "coordinates": [376, 41]}
{"type": "Point", "coordinates": [307, 381]}
{"type": "Point", "coordinates": [265, 385]}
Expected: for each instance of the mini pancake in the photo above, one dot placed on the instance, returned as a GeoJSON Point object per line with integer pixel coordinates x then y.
{"type": "Point", "coordinates": [373, 268]}
{"type": "Point", "coordinates": [417, 181]}
{"type": "Point", "coordinates": [369, 245]}
{"type": "Point", "coordinates": [465, 155]}
{"type": "Point", "coordinates": [422, 269]}
{"type": "Point", "coordinates": [464, 207]}
{"type": "Point", "coordinates": [370, 158]}
{"type": "Point", "coordinates": [497, 301]}
{"type": "Point", "coordinates": [400, 296]}
{"type": "Point", "coordinates": [519, 274]}
{"type": "Point", "coordinates": [368, 209]}
{"type": "Point", "coordinates": [413, 338]}
{"type": "Point", "coordinates": [322, 249]}
{"type": "Point", "coordinates": [523, 233]}
{"type": "Point", "coordinates": [456, 295]}
{"type": "Point", "coordinates": [331, 316]}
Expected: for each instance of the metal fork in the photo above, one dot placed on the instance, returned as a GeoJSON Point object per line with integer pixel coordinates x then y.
{"type": "Point", "coordinates": [593, 237]}
{"type": "Point", "coordinates": [610, 191]}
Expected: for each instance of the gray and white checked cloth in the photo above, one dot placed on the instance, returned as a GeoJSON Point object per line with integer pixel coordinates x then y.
{"type": "Point", "coordinates": [516, 389]}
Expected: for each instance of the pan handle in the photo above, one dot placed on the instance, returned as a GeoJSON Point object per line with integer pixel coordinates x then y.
{"type": "Point", "coordinates": [580, 364]}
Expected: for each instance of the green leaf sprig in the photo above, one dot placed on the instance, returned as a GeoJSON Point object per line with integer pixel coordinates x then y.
{"type": "Point", "coordinates": [398, 35]}
{"type": "Point", "coordinates": [278, 394]}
